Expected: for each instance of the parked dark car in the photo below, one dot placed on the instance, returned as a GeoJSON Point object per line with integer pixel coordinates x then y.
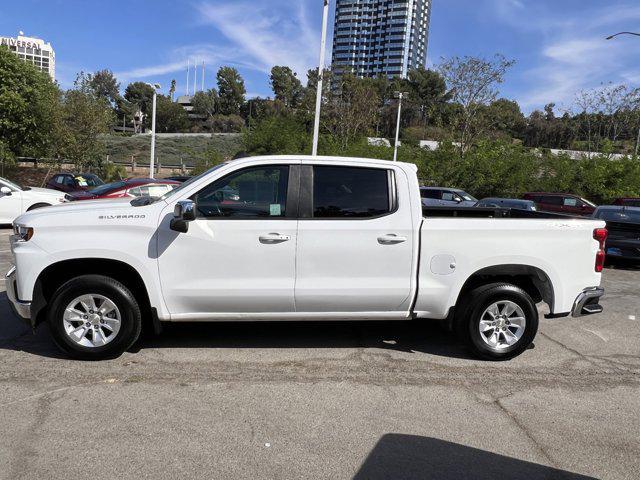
{"type": "Point", "coordinates": [566, 203]}
{"type": "Point", "coordinates": [132, 187]}
{"type": "Point", "coordinates": [446, 197]}
{"type": "Point", "coordinates": [623, 224]}
{"type": "Point", "coordinates": [627, 202]}
{"type": "Point", "coordinates": [72, 182]}
{"type": "Point", "coordinates": [515, 203]}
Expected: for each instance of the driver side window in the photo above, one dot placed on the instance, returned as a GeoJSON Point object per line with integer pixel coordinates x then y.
{"type": "Point", "coordinates": [257, 192]}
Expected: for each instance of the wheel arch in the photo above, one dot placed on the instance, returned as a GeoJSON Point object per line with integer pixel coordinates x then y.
{"type": "Point", "coordinates": [533, 280]}
{"type": "Point", "coordinates": [56, 274]}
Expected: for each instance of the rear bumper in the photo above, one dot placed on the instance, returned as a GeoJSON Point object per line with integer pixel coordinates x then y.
{"type": "Point", "coordinates": [587, 302]}
{"type": "Point", "coordinates": [22, 309]}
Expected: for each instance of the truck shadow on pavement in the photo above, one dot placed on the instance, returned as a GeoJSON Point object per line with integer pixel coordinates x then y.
{"type": "Point", "coordinates": [411, 457]}
{"type": "Point", "coordinates": [403, 336]}
{"type": "Point", "coordinates": [419, 337]}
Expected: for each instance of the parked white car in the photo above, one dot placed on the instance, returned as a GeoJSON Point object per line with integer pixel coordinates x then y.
{"type": "Point", "coordinates": [15, 200]}
{"type": "Point", "coordinates": [301, 238]}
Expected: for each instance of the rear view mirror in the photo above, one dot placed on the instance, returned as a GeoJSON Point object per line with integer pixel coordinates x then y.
{"type": "Point", "coordinates": [5, 191]}
{"type": "Point", "coordinates": [183, 213]}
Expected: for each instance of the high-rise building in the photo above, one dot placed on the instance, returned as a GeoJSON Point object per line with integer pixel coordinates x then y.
{"type": "Point", "coordinates": [34, 51]}
{"type": "Point", "coordinates": [375, 38]}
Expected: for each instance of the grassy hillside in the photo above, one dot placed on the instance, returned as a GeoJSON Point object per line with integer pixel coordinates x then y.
{"type": "Point", "coordinates": [171, 150]}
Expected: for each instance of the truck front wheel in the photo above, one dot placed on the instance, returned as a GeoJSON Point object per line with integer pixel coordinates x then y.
{"type": "Point", "coordinates": [497, 321]}
{"type": "Point", "coordinates": [93, 317]}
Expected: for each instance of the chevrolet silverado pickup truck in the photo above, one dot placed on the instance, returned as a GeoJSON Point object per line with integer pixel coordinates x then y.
{"type": "Point", "coordinates": [299, 238]}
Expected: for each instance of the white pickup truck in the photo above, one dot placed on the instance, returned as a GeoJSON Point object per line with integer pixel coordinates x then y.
{"type": "Point", "coordinates": [298, 238]}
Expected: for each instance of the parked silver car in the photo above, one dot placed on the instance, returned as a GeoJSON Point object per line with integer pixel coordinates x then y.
{"type": "Point", "coordinates": [446, 197]}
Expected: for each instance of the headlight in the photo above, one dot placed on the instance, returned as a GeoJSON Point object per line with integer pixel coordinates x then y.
{"type": "Point", "coordinates": [67, 198]}
{"type": "Point", "coordinates": [23, 233]}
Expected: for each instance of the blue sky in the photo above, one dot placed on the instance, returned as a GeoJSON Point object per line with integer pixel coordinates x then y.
{"type": "Point", "coordinates": [559, 45]}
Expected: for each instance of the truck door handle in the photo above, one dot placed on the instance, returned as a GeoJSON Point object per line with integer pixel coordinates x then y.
{"type": "Point", "coordinates": [391, 239]}
{"type": "Point", "coordinates": [273, 238]}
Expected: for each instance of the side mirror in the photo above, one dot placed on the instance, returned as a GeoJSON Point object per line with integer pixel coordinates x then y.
{"type": "Point", "coordinates": [457, 199]}
{"type": "Point", "coordinates": [183, 213]}
{"type": "Point", "coordinates": [6, 191]}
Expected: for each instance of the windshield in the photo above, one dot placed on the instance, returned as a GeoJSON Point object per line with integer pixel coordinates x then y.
{"type": "Point", "coordinates": [466, 196]}
{"type": "Point", "coordinates": [89, 180]}
{"type": "Point", "coordinates": [622, 215]}
{"type": "Point", "coordinates": [10, 184]}
{"type": "Point", "coordinates": [107, 188]}
{"type": "Point", "coordinates": [591, 204]}
{"type": "Point", "coordinates": [190, 181]}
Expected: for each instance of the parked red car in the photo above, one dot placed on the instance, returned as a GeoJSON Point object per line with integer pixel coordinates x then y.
{"type": "Point", "coordinates": [561, 203]}
{"type": "Point", "coordinates": [627, 202]}
{"type": "Point", "coordinates": [72, 182]}
{"type": "Point", "coordinates": [131, 187]}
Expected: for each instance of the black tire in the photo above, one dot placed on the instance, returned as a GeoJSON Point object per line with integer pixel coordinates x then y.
{"type": "Point", "coordinates": [38, 205]}
{"type": "Point", "coordinates": [130, 322]}
{"type": "Point", "coordinates": [472, 307]}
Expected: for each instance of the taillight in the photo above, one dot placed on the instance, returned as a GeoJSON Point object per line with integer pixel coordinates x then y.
{"type": "Point", "coordinates": [600, 234]}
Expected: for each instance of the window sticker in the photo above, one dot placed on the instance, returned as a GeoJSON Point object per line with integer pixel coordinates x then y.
{"type": "Point", "coordinates": [81, 181]}
{"type": "Point", "coordinates": [274, 209]}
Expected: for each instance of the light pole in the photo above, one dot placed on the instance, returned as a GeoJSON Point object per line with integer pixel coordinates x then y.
{"type": "Point", "coordinates": [622, 33]}
{"type": "Point", "coordinates": [611, 37]}
{"type": "Point", "coordinates": [323, 43]}
{"type": "Point", "coordinates": [152, 163]}
{"type": "Point", "coordinates": [399, 96]}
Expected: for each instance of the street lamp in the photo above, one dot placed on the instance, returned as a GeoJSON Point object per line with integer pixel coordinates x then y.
{"type": "Point", "coordinates": [323, 43]}
{"type": "Point", "coordinates": [636, 35]}
{"type": "Point", "coordinates": [152, 163]}
{"type": "Point", "coordinates": [399, 96]}
{"type": "Point", "coordinates": [623, 33]}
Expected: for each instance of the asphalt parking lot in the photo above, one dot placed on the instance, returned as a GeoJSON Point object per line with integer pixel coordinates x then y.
{"type": "Point", "coordinates": [354, 400]}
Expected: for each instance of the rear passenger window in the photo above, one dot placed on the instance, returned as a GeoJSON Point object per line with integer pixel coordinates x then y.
{"type": "Point", "coordinates": [346, 192]}
{"type": "Point", "coordinates": [431, 194]}
{"type": "Point", "coordinates": [552, 200]}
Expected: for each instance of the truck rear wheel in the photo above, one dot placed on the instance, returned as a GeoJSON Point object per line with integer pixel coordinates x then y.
{"type": "Point", "coordinates": [497, 321]}
{"type": "Point", "coordinates": [93, 317]}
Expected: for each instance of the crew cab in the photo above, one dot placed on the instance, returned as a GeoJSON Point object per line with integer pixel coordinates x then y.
{"type": "Point", "coordinates": [300, 238]}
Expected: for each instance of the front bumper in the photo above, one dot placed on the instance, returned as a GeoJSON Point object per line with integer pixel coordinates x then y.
{"type": "Point", "coordinates": [587, 302]}
{"type": "Point", "coordinates": [22, 309]}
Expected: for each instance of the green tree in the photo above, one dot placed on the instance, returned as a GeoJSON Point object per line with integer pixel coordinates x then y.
{"type": "Point", "coordinates": [206, 103]}
{"type": "Point", "coordinates": [170, 116]}
{"type": "Point", "coordinates": [29, 108]}
{"type": "Point", "coordinates": [351, 110]}
{"type": "Point", "coordinates": [141, 95]}
{"type": "Point", "coordinates": [172, 89]}
{"type": "Point", "coordinates": [277, 135]}
{"type": "Point", "coordinates": [473, 84]}
{"type": "Point", "coordinates": [105, 85]}
{"type": "Point", "coordinates": [86, 118]}
{"type": "Point", "coordinates": [231, 90]}
{"type": "Point", "coordinates": [286, 86]}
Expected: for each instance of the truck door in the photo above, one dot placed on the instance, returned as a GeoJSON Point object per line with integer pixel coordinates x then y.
{"type": "Point", "coordinates": [355, 240]}
{"type": "Point", "coordinates": [239, 254]}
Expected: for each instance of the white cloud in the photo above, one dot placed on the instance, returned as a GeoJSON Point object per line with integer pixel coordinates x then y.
{"type": "Point", "coordinates": [573, 54]}
{"type": "Point", "coordinates": [267, 33]}
{"type": "Point", "coordinates": [213, 57]}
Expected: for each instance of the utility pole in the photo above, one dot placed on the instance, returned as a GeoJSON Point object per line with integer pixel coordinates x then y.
{"type": "Point", "coordinates": [399, 96]}
{"type": "Point", "coordinates": [323, 43]}
{"type": "Point", "coordinates": [188, 68]}
{"type": "Point", "coordinates": [203, 75]}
